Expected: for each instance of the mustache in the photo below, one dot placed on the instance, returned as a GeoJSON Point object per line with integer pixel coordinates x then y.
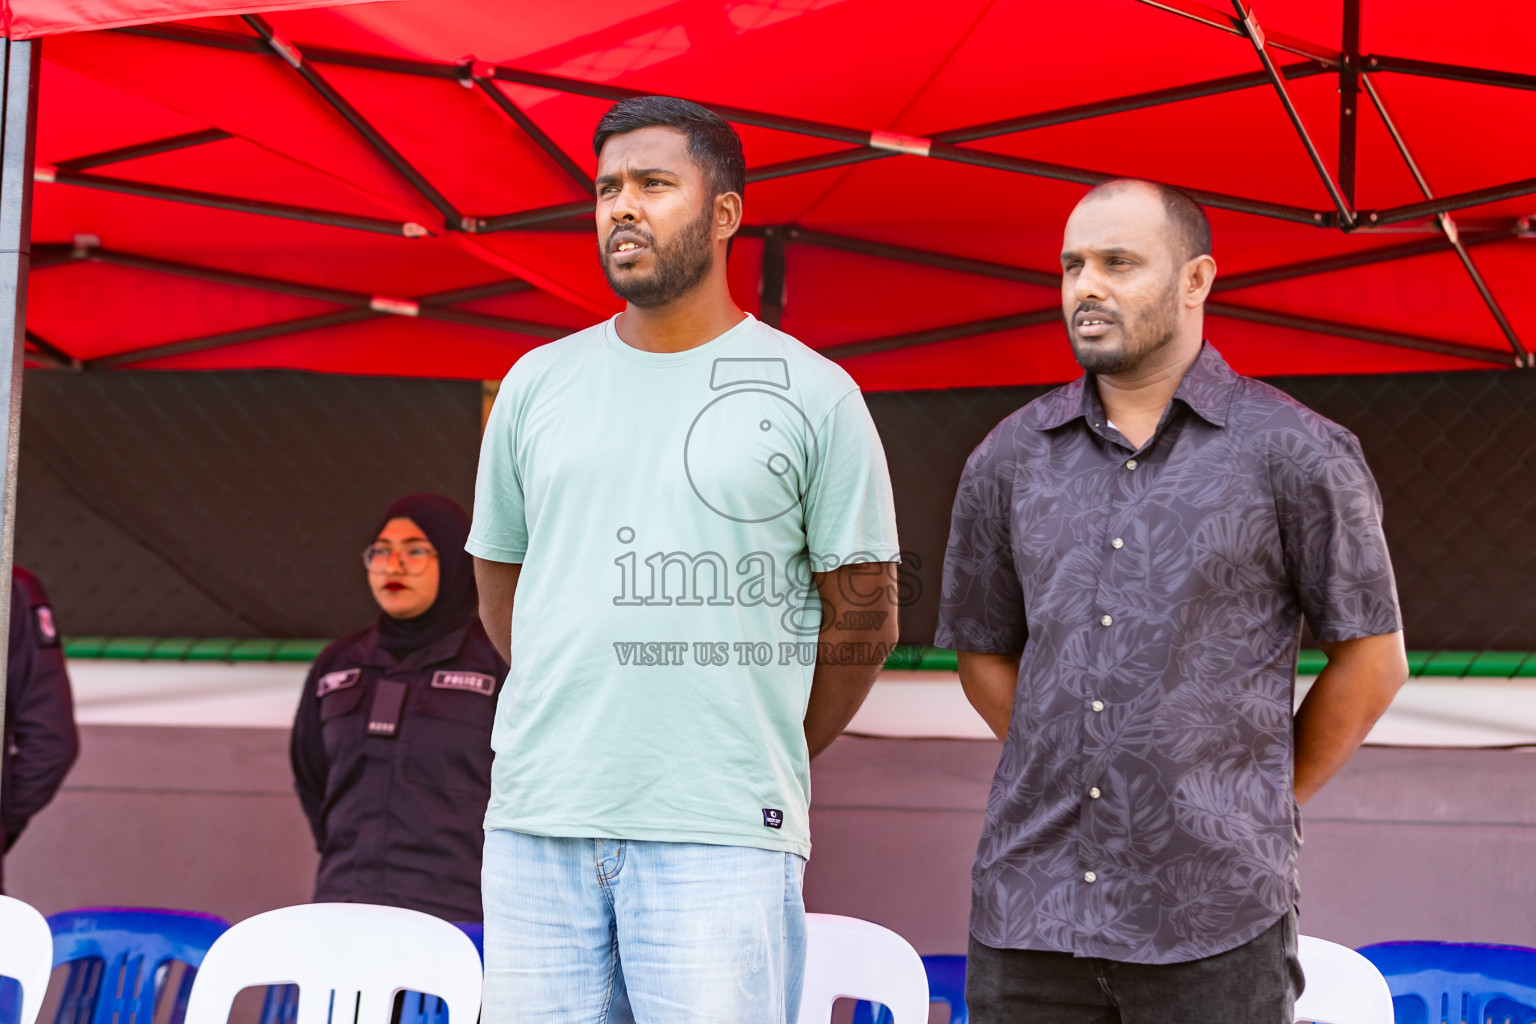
{"type": "Point", "coordinates": [1094, 307]}
{"type": "Point", "coordinates": [645, 236]}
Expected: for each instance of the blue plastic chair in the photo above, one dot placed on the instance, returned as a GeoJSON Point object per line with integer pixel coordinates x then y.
{"type": "Point", "coordinates": [10, 1000]}
{"type": "Point", "coordinates": [282, 1002]}
{"type": "Point", "coordinates": [946, 984]}
{"type": "Point", "coordinates": [419, 1008]}
{"type": "Point", "coordinates": [1454, 982]}
{"type": "Point", "coordinates": [118, 956]}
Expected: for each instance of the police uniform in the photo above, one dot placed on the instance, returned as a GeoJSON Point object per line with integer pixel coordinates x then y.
{"type": "Point", "coordinates": [392, 761]}
{"type": "Point", "coordinates": [41, 742]}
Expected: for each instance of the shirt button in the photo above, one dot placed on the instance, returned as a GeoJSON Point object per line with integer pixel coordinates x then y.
{"type": "Point", "coordinates": [1089, 876]}
{"type": "Point", "coordinates": [1107, 621]}
{"type": "Point", "coordinates": [1093, 793]}
{"type": "Point", "coordinates": [1097, 705]}
{"type": "Point", "coordinates": [1131, 464]}
{"type": "Point", "coordinates": [1117, 543]}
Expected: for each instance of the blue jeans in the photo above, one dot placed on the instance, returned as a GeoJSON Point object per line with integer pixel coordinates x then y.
{"type": "Point", "coordinates": [586, 931]}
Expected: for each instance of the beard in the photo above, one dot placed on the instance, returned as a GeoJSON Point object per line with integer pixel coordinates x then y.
{"type": "Point", "coordinates": [679, 265]}
{"type": "Point", "coordinates": [1145, 331]}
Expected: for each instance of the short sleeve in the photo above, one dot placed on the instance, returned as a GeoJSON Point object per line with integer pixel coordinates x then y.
{"type": "Point", "coordinates": [499, 530]}
{"type": "Point", "coordinates": [850, 514]}
{"type": "Point", "coordinates": [981, 606]}
{"type": "Point", "coordinates": [1335, 551]}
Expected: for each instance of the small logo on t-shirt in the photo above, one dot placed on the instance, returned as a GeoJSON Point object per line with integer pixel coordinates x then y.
{"type": "Point", "coordinates": [773, 817]}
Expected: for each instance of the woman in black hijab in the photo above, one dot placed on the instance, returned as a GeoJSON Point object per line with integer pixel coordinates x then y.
{"type": "Point", "coordinates": [392, 742]}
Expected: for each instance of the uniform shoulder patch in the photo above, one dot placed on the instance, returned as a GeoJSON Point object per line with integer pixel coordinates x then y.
{"type": "Point", "coordinates": [476, 682]}
{"type": "Point", "coordinates": [333, 681]}
{"type": "Point", "coordinates": [47, 629]}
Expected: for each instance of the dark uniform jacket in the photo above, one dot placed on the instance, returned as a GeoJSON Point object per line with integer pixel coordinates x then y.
{"type": "Point", "coordinates": [40, 738]}
{"type": "Point", "coordinates": [392, 761]}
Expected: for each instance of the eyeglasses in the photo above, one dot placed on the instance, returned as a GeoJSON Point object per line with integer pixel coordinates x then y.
{"type": "Point", "coordinates": [413, 559]}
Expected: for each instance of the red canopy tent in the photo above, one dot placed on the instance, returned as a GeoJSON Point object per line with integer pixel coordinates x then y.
{"type": "Point", "coordinates": [402, 187]}
{"type": "Point", "coordinates": [347, 189]}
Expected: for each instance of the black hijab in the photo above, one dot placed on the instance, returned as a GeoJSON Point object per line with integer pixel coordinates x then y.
{"type": "Point", "coordinates": [446, 525]}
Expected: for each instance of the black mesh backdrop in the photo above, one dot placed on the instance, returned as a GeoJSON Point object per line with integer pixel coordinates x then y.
{"type": "Point", "coordinates": [1454, 455]}
{"type": "Point", "coordinates": [233, 504]}
{"type": "Point", "coordinates": [226, 504]}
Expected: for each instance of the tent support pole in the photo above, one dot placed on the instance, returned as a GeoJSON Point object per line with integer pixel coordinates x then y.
{"type": "Point", "coordinates": [1458, 201]}
{"type": "Point", "coordinates": [1333, 327]}
{"type": "Point", "coordinates": [540, 137]}
{"type": "Point", "coordinates": [1043, 279]}
{"type": "Point", "coordinates": [1221, 20]}
{"type": "Point", "coordinates": [47, 350]}
{"type": "Point", "coordinates": [1261, 46]}
{"type": "Point", "coordinates": [976, 158]}
{"type": "Point", "coordinates": [1349, 89]}
{"type": "Point", "coordinates": [1449, 72]}
{"type": "Point", "coordinates": [992, 325]}
{"type": "Point", "coordinates": [451, 216]}
{"type": "Point", "coordinates": [771, 285]}
{"type": "Point", "coordinates": [277, 330]}
{"type": "Point", "coordinates": [1259, 316]}
{"type": "Point", "coordinates": [18, 135]}
{"type": "Point", "coordinates": [66, 176]}
{"type": "Point", "coordinates": [1448, 226]}
{"type": "Point", "coordinates": [432, 307]}
{"type": "Point", "coordinates": [941, 261]}
{"type": "Point", "coordinates": [143, 149]}
{"type": "Point", "coordinates": [1363, 258]}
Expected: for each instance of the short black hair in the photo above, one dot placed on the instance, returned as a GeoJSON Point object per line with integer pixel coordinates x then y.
{"type": "Point", "coordinates": [713, 144]}
{"type": "Point", "coordinates": [1184, 214]}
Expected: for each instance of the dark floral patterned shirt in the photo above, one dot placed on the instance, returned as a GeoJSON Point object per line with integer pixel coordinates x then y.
{"type": "Point", "coordinates": [1143, 810]}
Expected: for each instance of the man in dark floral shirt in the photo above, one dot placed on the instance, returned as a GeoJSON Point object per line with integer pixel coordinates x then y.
{"type": "Point", "coordinates": [1130, 561]}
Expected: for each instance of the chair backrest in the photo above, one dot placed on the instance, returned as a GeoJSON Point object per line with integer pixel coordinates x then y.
{"type": "Point", "coordinates": [420, 1008]}
{"type": "Point", "coordinates": [282, 1001]}
{"type": "Point", "coordinates": [946, 984]}
{"type": "Point", "coordinates": [115, 956]}
{"type": "Point", "coordinates": [1458, 980]}
{"type": "Point", "coordinates": [846, 958]}
{"type": "Point", "coordinates": [1343, 987]}
{"type": "Point", "coordinates": [476, 932]}
{"type": "Point", "coordinates": [353, 955]}
{"type": "Point", "coordinates": [26, 954]}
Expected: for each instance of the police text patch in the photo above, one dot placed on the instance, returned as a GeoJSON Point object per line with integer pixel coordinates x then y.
{"type": "Point", "coordinates": [333, 681]}
{"type": "Point", "coordinates": [477, 682]}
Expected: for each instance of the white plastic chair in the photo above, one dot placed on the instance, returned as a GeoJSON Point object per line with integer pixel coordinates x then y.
{"type": "Point", "coordinates": [364, 954]}
{"type": "Point", "coordinates": [1343, 987]}
{"type": "Point", "coordinates": [846, 958]}
{"type": "Point", "coordinates": [26, 953]}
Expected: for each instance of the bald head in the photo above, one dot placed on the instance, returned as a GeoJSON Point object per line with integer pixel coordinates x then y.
{"type": "Point", "coordinates": [1189, 230]}
{"type": "Point", "coordinates": [1135, 271]}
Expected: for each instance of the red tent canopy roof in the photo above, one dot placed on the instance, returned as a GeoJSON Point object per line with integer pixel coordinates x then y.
{"type": "Point", "coordinates": [31, 19]}
{"type": "Point", "coordinates": [335, 189]}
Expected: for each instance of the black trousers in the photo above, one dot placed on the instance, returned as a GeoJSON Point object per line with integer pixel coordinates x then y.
{"type": "Point", "coordinates": [1256, 983]}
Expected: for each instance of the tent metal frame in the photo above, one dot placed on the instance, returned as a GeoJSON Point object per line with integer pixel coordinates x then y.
{"type": "Point", "coordinates": [1349, 66]}
{"type": "Point", "coordinates": [18, 137]}
{"type": "Point", "coordinates": [439, 306]}
{"type": "Point", "coordinates": [18, 114]}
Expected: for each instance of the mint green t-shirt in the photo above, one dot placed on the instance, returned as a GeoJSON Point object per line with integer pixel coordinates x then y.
{"type": "Point", "coordinates": [668, 510]}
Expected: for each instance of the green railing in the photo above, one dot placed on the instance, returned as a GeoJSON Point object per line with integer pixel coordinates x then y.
{"type": "Point", "coordinates": [1453, 664]}
{"type": "Point", "coordinates": [181, 648]}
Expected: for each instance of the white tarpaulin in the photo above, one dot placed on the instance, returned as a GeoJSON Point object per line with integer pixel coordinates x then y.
{"type": "Point", "coordinates": [1429, 712]}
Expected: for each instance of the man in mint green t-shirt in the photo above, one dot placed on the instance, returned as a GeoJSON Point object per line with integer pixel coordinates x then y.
{"type": "Point", "coordinates": [693, 512]}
